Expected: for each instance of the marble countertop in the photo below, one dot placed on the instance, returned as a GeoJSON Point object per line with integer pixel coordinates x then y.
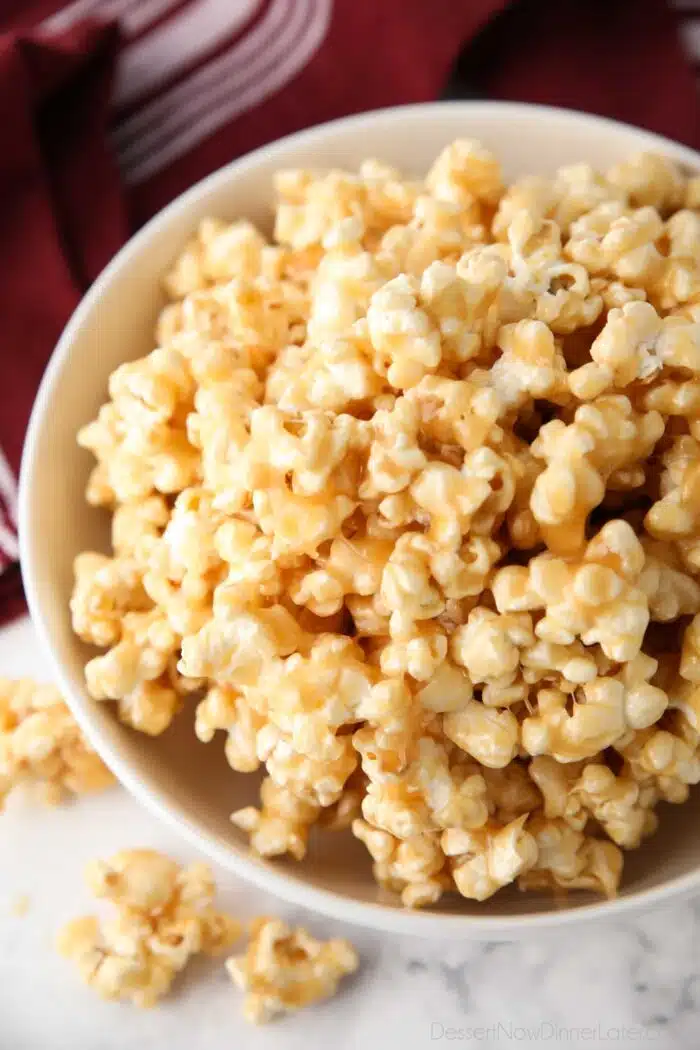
{"type": "Point", "coordinates": [627, 983]}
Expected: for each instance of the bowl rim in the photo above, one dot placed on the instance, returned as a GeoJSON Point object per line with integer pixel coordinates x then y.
{"type": "Point", "coordinates": [281, 883]}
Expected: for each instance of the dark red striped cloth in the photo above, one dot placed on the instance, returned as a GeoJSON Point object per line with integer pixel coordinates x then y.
{"type": "Point", "coordinates": [103, 124]}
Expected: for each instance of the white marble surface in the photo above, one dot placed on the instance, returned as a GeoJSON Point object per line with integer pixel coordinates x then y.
{"type": "Point", "coordinates": [630, 983]}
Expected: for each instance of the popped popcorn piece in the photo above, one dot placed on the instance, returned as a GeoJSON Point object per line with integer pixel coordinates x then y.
{"type": "Point", "coordinates": [606, 441]}
{"type": "Point", "coordinates": [454, 412]}
{"type": "Point", "coordinates": [419, 653]}
{"type": "Point", "coordinates": [595, 598]}
{"type": "Point", "coordinates": [679, 282]}
{"type": "Point", "coordinates": [341, 290]}
{"type": "Point", "coordinates": [532, 195]}
{"type": "Point", "coordinates": [616, 295]}
{"type": "Point", "coordinates": [282, 823]}
{"type": "Point", "coordinates": [460, 308]}
{"type": "Point", "coordinates": [664, 759]}
{"type": "Point", "coordinates": [152, 389]}
{"type": "Point", "coordinates": [615, 240]}
{"type": "Point", "coordinates": [670, 590]}
{"type": "Point", "coordinates": [451, 498]}
{"type": "Point", "coordinates": [604, 711]}
{"type": "Point", "coordinates": [436, 231]}
{"type": "Point", "coordinates": [511, 792]}
{"type": "Point", "coordinates": [390, 197]}
{"type": "Point", "coordinates": [575, 190]}
{"type": "Point", "coordinates": [224, 708]}
{"type": "Point", "coordinates": [413, 868]}
{"type": "Point", "coordinates": [553, 290]}
{"type": "Point", "coordinates": [41, 743]}
{"type": "Point", "coordinates": [568, 859]}
{"type": "Point", "coordinates": [219, 428]}
{"type": "Point", "coordinates": [164, 915]}
{"type": "Point", "coordinates": [430, 791]}
{"type": "Point", "coordinates": [690, 652]}
{"type": "Point", "coordinates": [465, 171]}
{"type": "Point", "coordinates": [649, 179]}
{"type": "Point", "coordinates": [484, 732]}
{"type": "Point", "coordinates": [531, 365]}
{"type": "Point", "coordinates": [239, 325]}
{"type": "Point", "coordinates": [488, 645]}
{"type": "Point", "coordinates": [236, 648]}
{"type": "Point", "coordinates": [319, 778]}
{"type": "Point", "coordinates": [637, 345]}
{"type": "Point", "coordinates": [622, 807]}
{"type": "Point", "coordinates": [138, 672]}
{"type": "Point", "coordinates": [285, 969]}
{"type": "Point", "coordinates": [300, 524]}
{"type": "Point", "coordinates": [311, 206]}
{"type": "Point", "coordinates": [105, 590]}
{"type": "Point", "coordinates": [139, 437]}
{"type": "Point", "coordinates": [135, 529]}
{"type": "Point", "coordinates": [219, 251]}
{"type": "Point", "coordinates": [184, 564]}
{"type": "Point", "coordinates": [676, 515]}
{"type": "Point", "coordinates": [309, 697]}
{"type": "Point", "coordinates": [252, 571]}
{"type": "Point", "coordinates": [485, 860]}
{"type": "Point", "coordinates": [406, 592]}
{"type": "Point", "coordinates": [555, 782]}
{"type": "Point", "coordinates": [564, 665]}
{"type": "Point", "coordinates": [405, 339]}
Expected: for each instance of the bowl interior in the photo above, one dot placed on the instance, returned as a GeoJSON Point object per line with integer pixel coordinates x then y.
{"type": "Point", "coordinates": [189, 783]}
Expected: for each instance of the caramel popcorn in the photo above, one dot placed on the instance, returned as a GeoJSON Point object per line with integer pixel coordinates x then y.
{"type": "Point", "coordinates": [106, 589]}
{"type": "Point", "coordinates": [40, 743]}
{"type": "Point", "coordinates": [285, 969]}
{"type": "Point", "coordinates": [601, 716]}
{"type": "Point", "coordinates": [484, 861]}
{"type": "Point", "coordinates": [406, 500]}
{"type": "Point", "coordinates": [673, 517]}
{"type": "Point", "coordinates": [594, 598]}
{"type": "Point", "coordinates": [282, 823]}
{"type": "Point", "coordinates": [138, 672]}
{"type": "Point", "coordinates": [569, 859]}
{"type": "Point", "coordinates": [622, 807]}
{"type": "Point", "coordinates": [164, 915]}
{"type": "Point", "coordinates": [602, 447]}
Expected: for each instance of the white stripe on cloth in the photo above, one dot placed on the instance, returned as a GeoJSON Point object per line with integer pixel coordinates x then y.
{"type": "Point", "coordinates": [8, 542]}
{"type": "Point", "coordinates": [134, 16]}
{"type": "Point", "coordinates": [80, 9]}
{"type": "Point", "coordinates": [178, 43]}
{"type": "Point", "coordinates": [240, 87]}
{"type": "Point", "coordinates": [4, 562]}
{"type": "Point", "coordinates": [147, 12]}
{"type": "Point", "coordinates": [206, 78]}
{"type": "Point", "coordinates": [8, 488]}
{"type": "Point", "coordinates": [690, 34]}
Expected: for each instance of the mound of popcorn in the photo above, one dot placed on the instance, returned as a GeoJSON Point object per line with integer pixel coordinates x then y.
{"type": "Point", "coordinates": [406, 505]}
{"type": "Point", "coordinates": [41, 744]}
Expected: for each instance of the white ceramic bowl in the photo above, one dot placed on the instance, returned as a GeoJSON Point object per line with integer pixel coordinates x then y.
{"type": "Point", "coordinates": [186, 783]}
